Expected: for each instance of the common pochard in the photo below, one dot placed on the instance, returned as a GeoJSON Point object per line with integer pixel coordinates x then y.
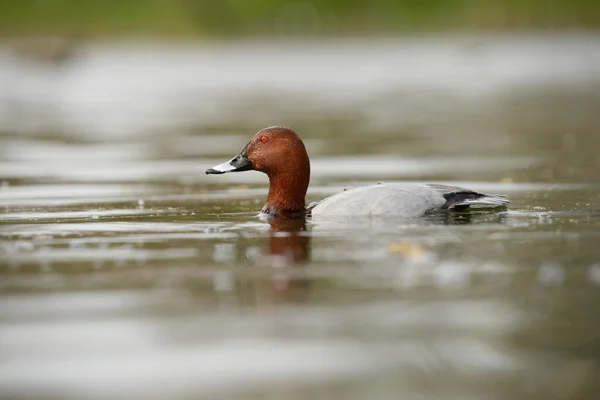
{"type": "Point", "coordinates": [280, 153]}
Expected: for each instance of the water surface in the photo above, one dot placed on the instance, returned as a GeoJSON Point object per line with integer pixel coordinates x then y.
{"type": "Point", "coordinates": [126, 272]}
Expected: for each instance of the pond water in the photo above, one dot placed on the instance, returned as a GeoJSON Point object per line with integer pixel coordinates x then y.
{"type": "Point", "coordinates": [126, 272]}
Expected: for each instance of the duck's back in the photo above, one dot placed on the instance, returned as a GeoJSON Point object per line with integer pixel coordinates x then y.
{"type": "Point", "coordinates": [403, 200]}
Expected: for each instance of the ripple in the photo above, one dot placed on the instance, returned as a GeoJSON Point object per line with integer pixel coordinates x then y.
{"type": "Point", "coordinates": [53, 216]}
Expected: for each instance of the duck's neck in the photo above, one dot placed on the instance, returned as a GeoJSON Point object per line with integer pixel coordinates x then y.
{"type": "Point", "coordinates": [287, 191]}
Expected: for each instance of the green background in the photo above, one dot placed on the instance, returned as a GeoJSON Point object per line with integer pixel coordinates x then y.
{"type": "Point", "coordinates": [240, 18]}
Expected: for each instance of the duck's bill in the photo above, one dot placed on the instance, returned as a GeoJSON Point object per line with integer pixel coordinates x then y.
{"type": "Point", "coordinates": [241, 162]}
{"type": "Point", "coordinates": [221, 168]}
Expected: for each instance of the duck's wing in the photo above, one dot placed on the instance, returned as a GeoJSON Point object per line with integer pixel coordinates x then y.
{"type": "Point", "coordinates": [406, 201]}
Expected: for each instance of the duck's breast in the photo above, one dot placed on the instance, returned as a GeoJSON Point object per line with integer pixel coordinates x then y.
{"type": "Point", "coordinates": [407, 201]}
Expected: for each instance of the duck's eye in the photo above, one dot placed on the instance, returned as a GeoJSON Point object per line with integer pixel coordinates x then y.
{"type": "Point", "coordinates": [264, 139]}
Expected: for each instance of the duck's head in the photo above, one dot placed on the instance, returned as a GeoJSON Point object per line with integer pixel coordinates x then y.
{"type": "Point", "coordinates": [280, 153]}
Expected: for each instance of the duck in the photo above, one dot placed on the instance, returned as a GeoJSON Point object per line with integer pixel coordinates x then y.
{"type": "Point", "coordinates": [279, 152]}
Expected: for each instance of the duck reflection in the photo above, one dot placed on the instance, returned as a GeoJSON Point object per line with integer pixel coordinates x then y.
{"type": "Point", "coordinates": [464, 218]}
{"type": "Point", "coordinates": [288, 240]}
{"type": "Point", "coordinates": [268, 270]}
{"type": "Point", "coordinates": [289, 245]}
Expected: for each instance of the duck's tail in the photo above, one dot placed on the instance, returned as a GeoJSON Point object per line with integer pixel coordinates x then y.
{"type": "Point", "coordinates": [476, 200]}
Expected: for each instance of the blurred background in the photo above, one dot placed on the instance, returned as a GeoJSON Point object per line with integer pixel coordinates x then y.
{"type": "Point", "coordinates": [126, 272]}
{"type": "Point", "coordinates": [283, 18]}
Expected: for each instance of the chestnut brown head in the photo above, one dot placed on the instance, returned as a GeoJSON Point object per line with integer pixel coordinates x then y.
{"type": "Point", "coordinates": [280, 153]}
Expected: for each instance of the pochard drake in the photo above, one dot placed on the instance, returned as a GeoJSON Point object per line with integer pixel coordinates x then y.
{"type": "Point", "coordinates": [280, 153]}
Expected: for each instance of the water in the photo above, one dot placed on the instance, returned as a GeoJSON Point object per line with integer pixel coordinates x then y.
{"type": "Point", "coordinates": [126, 272]}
